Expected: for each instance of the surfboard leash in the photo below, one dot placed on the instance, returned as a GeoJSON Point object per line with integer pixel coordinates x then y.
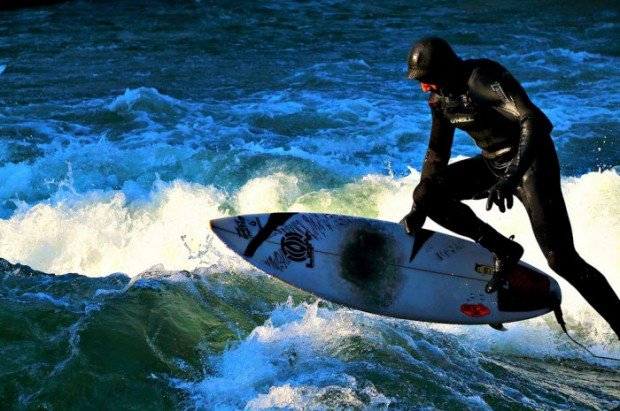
{"type": "Point", "coordinates": [560, 319]}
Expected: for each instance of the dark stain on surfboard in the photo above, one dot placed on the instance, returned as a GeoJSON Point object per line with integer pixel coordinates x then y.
{"type": "Point", "coordinates": [369, 262]}
{"type": "Point", "coordinates": [274, 221]}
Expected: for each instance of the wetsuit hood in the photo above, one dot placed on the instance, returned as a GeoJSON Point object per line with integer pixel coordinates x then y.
{"type": "Point", "coordinates": [431, 60]}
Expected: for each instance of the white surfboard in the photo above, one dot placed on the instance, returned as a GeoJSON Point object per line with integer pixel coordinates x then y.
{"type": "Point", "coordinates": [372, 265]}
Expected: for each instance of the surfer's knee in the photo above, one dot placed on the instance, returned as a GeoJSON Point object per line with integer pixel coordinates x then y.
{"type": "Point", "coordinates": [570, 265]}
{"type": "Point", "coordinates": [554, 261]}
{"type": "Point", "coordinates": [560, 261]}
{"type": "Point", "coordinates": [428, 191]}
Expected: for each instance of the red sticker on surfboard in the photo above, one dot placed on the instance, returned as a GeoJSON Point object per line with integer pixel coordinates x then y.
{"type": "Point", "coordinates": [475, 310]}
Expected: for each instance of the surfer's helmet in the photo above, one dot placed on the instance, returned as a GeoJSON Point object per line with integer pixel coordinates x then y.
{"type": "Point", "coordinates": [431, 60]}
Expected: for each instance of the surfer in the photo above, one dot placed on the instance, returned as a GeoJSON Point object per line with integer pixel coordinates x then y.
{"type": "Point", "coordinates": [518, 159]}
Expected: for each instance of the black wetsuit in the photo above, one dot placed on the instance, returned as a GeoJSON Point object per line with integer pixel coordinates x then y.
{"type": "Point", "coordinates": [514, 135]}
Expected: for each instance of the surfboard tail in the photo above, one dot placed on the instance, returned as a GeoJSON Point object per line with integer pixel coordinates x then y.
{"type": "Point", "coordinates": [528, 290]}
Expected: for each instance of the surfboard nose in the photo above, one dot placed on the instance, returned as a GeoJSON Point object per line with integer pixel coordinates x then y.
{"type": "Point", "coordinates": [216, 223]}
{"type": "Point", "coordinates": [229, 232]}
{"type": "Point", "coordinates": [227, 224]}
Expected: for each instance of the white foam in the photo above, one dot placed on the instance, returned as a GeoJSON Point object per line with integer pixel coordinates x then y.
{"type": "Point", "coordinates": [303, 356]}
{"type": "Point", "coordinates": [265, 194]}
{"type": "Point", "coordinates": [288, 362]}
{"type": "Point", "coordinates": [271, 105]}
{"type": "Point", "coordinates": [143, 99]}
{"type": "Point", "coordinates": [306, 357]}
{"type": "Point", "coordinates": [102, 233]}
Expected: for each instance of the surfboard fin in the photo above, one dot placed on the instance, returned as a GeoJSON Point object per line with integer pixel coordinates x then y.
{"type": "Point", "coordinates": [498, 327]}
{"type": "Point", "coordinates": [420, 237]}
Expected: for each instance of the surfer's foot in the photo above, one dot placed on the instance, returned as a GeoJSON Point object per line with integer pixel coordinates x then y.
{"type": "Point", "coordinates": [506, 256]}
{"type": "Point", "coordinates": [499, 277]}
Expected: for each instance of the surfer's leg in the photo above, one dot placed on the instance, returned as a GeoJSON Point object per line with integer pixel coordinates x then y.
{"type": "Point", "coordinates": [542, 197]}
{"type": "Point", "coordinates": [441, 195]}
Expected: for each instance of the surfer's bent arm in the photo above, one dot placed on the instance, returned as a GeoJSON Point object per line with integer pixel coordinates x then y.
{"type": "Point", "coordinates": [511, 100]}
{"type": "Point", "coordinates": [436, 158]}
{"type": "Point", "coordinates": [440, 143]}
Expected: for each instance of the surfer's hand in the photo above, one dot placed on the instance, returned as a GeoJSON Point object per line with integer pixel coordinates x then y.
{"type": "Point", "coordinates": [500, 193]}
{"type": "Point", "coordinates": [413, 221]}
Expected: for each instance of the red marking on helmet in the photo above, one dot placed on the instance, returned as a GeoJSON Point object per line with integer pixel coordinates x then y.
{"type": "Point", "coordinates": [475, 310]}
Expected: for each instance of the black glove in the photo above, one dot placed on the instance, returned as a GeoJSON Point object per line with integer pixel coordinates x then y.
{"type": "Point", "coordinates": [414, 220]}
{"type": "Point", "coordinates": [502, 191]}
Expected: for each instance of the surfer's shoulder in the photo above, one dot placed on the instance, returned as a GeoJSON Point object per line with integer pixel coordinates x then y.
{"type": "Point", "coordinates": [487, 81]}
{"type": "Point", "coordinates": [484, 72]}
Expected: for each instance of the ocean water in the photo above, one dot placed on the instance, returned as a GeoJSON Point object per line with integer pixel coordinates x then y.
{"type": "Point", "coordinates": [125, 126]}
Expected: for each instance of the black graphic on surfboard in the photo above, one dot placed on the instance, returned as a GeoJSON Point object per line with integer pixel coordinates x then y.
{"type": "Point", "coordinates": [298, 248]}
{"type": "Point", "coordinates": [274, 221]}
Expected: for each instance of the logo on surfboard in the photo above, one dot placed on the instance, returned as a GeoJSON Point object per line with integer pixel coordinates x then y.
{"type": "Point", "coordinates": [242, 228]}
{"type": "Point", "coordinates": [297, 247]}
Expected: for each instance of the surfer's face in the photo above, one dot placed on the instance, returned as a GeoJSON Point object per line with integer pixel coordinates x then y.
{"type": "Point", "coordinates": [426, 87]}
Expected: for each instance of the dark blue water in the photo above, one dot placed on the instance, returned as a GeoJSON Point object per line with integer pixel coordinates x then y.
{"type": "Point", "coordinates": [126, 126]}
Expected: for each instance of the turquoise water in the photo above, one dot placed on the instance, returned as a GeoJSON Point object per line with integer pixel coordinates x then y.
{"type": "Point", "coordinates": [127, 126]}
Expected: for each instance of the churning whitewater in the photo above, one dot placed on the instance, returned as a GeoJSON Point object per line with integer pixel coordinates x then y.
{"type": "Point", "coordinates": [125, 133]}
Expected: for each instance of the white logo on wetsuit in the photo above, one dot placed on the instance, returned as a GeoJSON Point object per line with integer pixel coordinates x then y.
{"type": "Point", "coordinates": [459, 109]}
{"type": "Point", "coordinates": [458, 120]}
